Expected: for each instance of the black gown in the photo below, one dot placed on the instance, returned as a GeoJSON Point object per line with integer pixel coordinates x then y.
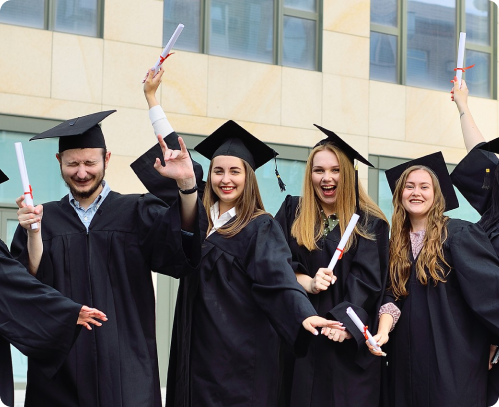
{"type": "Point", "coordinates": [36, 319]}
{"type": "Point", "coordinates": [108, 268]}
{"type": "Point", "coordinates": [439, 349]}
{"type": "Point", "coordinates": [338, 374]}
{"type": "Point", "coordinates": [225, 347]}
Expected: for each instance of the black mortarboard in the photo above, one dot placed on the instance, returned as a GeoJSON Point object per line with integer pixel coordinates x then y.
{"type": "Point", "coordinates": [80, 132]}
{"type": "Point", "coordinates": [436, 163]}
{"type": "Point", "coordinates": [232, 140]}
{"type": "Point", "coordinates": [3, 177]}
{"type": "Point", "coordinates": [492, 146]}
{"type": "Point", "coordinates": [333, 138]}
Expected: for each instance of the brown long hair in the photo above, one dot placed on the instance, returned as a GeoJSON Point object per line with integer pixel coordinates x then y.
{"type": "Point", "coordinates": [308, 227]}
{"type": "Point", "coordinates": [248, 206]}
{"type": "Point", "coordinates": [431, 257]}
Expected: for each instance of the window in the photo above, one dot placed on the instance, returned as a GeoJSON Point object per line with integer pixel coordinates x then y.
{"type": "Point", "coordinates": [414, 42]}
{"type": "Point", "coordinates": [70, 16]}
{"type": "Point", "coordinates": [382, 195]}
{"type": "Point", "coordinates": [283, 32]}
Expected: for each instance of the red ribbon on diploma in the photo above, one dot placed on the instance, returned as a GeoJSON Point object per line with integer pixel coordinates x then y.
{"type": "Point", "coordinates": [30, 192]}
{"type": "Point", "coordinates": [365, 333]}
{"type": "Point", "coordinates": [162, 59]}
{"type": "Point", "coordinates": [464, 69]}
{"type": "Point", "coordinates": [341, 252]}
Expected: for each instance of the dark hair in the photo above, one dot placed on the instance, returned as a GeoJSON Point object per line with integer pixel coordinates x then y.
{"type": "Point", "coordinates": [490, 218]}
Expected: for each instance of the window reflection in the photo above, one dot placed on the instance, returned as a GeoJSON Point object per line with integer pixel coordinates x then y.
{"type": "Point", "coordinates": [477, 21]}
{"type": "Point", "coordinates": [477, 78]}
{"type": "Point", "coordinates": [298, 43]}
{"type": "Point", "coordinates": [29, 13]}
{"type": "Point", "coordinates": [305, 5]}
{"type": "Point", "coordinates": [384, 12]}
{"type": "Point", "coordinates": [187, 12]}
{"type": "Point", "coordinates": [76, 17]}
{"type": "Point", "coordinates": [383, 65]}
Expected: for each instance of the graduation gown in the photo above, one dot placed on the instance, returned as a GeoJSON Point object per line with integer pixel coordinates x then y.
{"type": "Point", "coordinates": [338, 374]}
{"type": "Point", "coordinates": [108, 268]}
{"type": "Point", "coordinates": [36, 319]}
{"type": "Point", "coordinates": [228, 318]}
{"type": "Point", "coordinates": [439, 349]}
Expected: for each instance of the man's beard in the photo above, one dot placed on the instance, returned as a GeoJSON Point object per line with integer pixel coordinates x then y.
{"type": "Point", "coordinates": [85, 194]}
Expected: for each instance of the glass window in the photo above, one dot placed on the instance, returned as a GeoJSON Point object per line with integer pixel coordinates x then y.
{"type": "Point", "coordinates": [298, 48]}
{"type": "Point", "coordinates": [43, 169]}
{"type": "Point", "coordinates": [477, 21]}
{"type": "Point", "coordinates": [248, 29]}
{"type": "Point", "coordinates": [384, 12]}
{"type": "Point", "coordinates": [187, 12]}
{"type": "Point", "coordinates": [478, 78]}
{"type": "Point", "coordinates": [383, 57]}
{"type": "Point", "coordinates": [431, 43]}
{"type": "Point", "coordinates": [291, 172]}
{"type": "Point", "coordinates": [76, 17]}
{"type": "Point", "coordinates": [242, 29]}
{"type": "Point", "coordinates": [29, 13]}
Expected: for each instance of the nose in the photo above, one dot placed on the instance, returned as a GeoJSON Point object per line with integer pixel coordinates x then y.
{"type": "Point", "coordinates": [328, 176]}
{"type": "Point", "coordinates": [225, 178]}
{"type": "Point", "coordinates": [82, 171]}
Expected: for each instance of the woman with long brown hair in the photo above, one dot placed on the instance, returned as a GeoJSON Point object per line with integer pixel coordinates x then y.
{"type": "Point", "coordinates": [230, 314]}
{"type": "Point", "coordinates": [338, 369]}
{"type": "Point", "coordinates": [444, 278]}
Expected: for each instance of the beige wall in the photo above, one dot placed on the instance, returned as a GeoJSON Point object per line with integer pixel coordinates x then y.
{"type": "Point", "coordinates": [56, 75]}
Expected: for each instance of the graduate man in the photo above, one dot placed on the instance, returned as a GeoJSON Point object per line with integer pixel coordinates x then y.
{"type": "Point", "coordinates": [98, 247]}
{"type": "Point", "coordinates": [36, 319]}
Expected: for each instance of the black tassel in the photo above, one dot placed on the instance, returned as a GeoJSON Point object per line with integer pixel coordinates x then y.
{"type": "Point", "coordinates": [486, 179]}
{"type": "Point", "coordinates": [282, 185]}
{"type": "Point", "coordinates": [357, 206]}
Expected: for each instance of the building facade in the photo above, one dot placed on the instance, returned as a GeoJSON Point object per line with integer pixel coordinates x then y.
{"type": "Point", "coordinates": [375, 72]}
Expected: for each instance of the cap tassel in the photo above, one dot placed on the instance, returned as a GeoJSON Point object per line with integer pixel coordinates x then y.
{"type": "Point", "coordinates": [357, 206]}
{"type": "Point", "coordinates": [282, 185]}
{"type": "Point", "coordinates": [486, 179]}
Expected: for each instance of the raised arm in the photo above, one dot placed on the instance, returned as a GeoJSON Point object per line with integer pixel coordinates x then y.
{"type": "Point", "coordinates": [27, 215]}
{"type": "Point", "coordinates": [471, 134]}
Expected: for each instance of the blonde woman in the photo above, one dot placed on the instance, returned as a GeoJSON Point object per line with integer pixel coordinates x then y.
{"type": "Point", "coordinates": [444, 278]}
{"type": "Point", "coordinates": [338, 369]}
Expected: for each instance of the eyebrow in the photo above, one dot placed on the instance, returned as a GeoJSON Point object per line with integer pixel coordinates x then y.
{"type": "Point", "coordinates": [231, 168]}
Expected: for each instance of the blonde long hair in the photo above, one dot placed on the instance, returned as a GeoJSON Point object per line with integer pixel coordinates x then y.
{"type": "Point", "coordinates": [431, 256]}
{"type": "Point", "coordinates": [248, 206]}
{"type": "Point", "coordinates": [308, 227]}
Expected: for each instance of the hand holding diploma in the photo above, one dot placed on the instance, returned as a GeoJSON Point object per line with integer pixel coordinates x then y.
{"type": "Point", "coordinates": [359, 324]}
{"type": "Point", "coordinates": [321, 281]}
{"type": "Point", "coordinates": [166, 51]}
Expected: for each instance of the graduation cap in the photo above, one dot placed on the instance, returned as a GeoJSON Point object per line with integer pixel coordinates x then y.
{"type": "Point", "coordinates": [3, 177]}
{"type": "Point", "coordinates": [333, 138]}
{"type": "Point", "coordinates": [232, 140]}
{"type": "Point", "coordinates": [349, 151]}
{"type": "Point", "coordinates": [436, 163]}
{"type": "Point", "coordinates": [81, 132]}
{"type": "Point", "coordinates": [491, 146]}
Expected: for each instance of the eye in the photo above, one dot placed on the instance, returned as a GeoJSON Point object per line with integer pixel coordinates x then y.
{"type": "Point", "coordinates": [318, 170]}
{"type": "Point", "coordinates": [409, 186]}
{"type": "Point", "coordinates": [336, 170]}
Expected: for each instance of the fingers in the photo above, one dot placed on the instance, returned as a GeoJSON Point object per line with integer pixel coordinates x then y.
{"type": "Point", "coordinates": [20, 202]}
{"type": "Point", "coordinates": [183, 147]}
{"type": "Point", "coordinates": [159, 75]}
{"type": "Point", "coordinates": [326, 331]}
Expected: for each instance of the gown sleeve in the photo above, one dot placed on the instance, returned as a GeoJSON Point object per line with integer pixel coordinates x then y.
{"type": "Point", "coordinates": [468, 177]}
{"type": "Point", "coordinates": [165, 247]}
{"type": "Point", "coordinates": [274, 286]}
{"type": "Point", "coordinates": [477, 270]}
{"type": "Point", "coordinates": [366, 282]}
{"type": "Point", "coordinates": [35, 318]}
{"type": "Point", "coordinates": [285, 217]}
{"type": "Point", "coordinates": [164, 188]}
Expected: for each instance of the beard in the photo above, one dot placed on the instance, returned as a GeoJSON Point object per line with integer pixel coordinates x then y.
{"type": "Point", "coordinates": [85, 193]}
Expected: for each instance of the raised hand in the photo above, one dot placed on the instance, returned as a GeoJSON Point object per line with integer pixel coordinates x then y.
{"type": "Point", "coordinates": [87, 316]}
{"type": "Point", "coordinates": [151, 84]}
{"type": "Point", "coordinates": [178, 164]}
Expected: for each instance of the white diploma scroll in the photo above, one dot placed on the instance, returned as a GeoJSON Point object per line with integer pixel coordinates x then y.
{"type": "Point", "coordinates": [356, 320]}
{"type": "Point", "coordinates": [344, 239]}
{"type": "Point", "coordinates": [460, 57]}
{"type": "Point", "coordinates": [168, 48]}
{"type": "Point", "coordinates": [28, 193]}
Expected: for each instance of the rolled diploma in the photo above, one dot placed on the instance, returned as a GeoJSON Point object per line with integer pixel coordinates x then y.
{"type": "Point", "coordinates": [168, 48]}
{"type": "Point", "coordinates": [356, 320]}
{"type": "Point", "coordinates": [344, 240]}
{"type": "Point", "coordinates": [24, 178]}
{"type": "Point", "coordinates": [460, 57]}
